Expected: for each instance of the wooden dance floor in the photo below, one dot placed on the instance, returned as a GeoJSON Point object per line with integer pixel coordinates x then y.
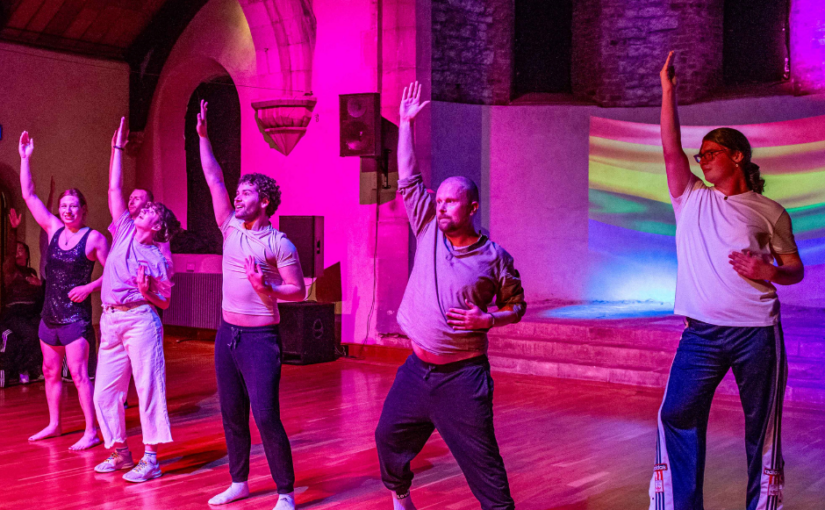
{"type": "Point", "coordinates": [567, 445]}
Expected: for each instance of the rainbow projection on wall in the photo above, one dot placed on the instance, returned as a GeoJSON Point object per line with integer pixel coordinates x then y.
{"type": "Point", "coordinates": [631, 222]}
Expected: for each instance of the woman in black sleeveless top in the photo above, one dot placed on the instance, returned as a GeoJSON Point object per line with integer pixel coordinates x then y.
{"type": "Point", "coordinates": [66, 325]}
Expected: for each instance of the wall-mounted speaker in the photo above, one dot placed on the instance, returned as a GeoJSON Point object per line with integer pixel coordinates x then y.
{"type": "Point", "coordinates": [360, 122]}
{"type": "Point", "coordinates": [307, 234]}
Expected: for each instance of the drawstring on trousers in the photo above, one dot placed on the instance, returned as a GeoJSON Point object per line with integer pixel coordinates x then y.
{"type": "Point", "coordinates": [236, 336]}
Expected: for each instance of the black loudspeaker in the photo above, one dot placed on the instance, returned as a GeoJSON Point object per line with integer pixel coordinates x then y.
{"type": "Point", "coordinates": [360, 123]}
{"type": "Point", "coordinates": [307, 332]}
{"type": "Point", "coordinates": [307, 234]}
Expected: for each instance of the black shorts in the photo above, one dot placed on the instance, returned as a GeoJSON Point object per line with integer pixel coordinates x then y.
{"type": "Point", "coordinates": [61, 335]}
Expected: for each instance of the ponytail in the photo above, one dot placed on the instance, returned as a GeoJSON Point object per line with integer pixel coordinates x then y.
{"type": "Point", "coordinates": [754, 180]}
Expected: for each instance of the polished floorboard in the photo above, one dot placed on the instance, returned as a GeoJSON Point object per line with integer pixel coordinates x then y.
{"type": "Point", "coordinates": [567, 445]}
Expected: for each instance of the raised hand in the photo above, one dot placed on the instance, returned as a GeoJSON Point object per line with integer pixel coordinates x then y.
{"type": "Point", "coordinates": [144, 280]}
{"type": "Point", "coordinates": [410, 102]}
{"type": "Point", "coordinates": [752, 265]}
{"type": "Point", "coordinates": [201, 127]}
{"type": "Point", "coordinates": [121, 136]}
{"type": "Point", "coordinates": [254, 274]}
{"type": "Point", "coordinates": [14, 218]}
{"type": "Point", "coordinates": [470, 319]}
{"type": "Point", "coordinates": [80, 293]}
{"type": "Point", "coordinates": [26, 146]}
{"type": "Point", "coordinates": [668, 72]}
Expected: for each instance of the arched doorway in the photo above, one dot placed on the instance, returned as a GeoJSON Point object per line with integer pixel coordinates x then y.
{"type": "Point", "coordinates": [203, 235]}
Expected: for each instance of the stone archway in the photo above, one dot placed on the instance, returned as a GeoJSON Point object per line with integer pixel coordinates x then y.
{"type": "Point", "coordinates": [283, 32]}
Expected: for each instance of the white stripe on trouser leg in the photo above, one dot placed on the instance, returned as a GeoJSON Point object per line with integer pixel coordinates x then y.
{"type": "Point", "coordinates": [773, 475]}
{"type": "Point", "coordinates": [661, 484]}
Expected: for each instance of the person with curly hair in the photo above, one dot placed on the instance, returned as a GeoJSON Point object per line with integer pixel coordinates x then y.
{"type": "Point", "coordinates": [733, 246]}
{"type": "Point", "coordinates": [137, 201]}
{"type": "Point", "coordinates": [260, 266]}
{"type": "Point", "coordinates": [134, 282]}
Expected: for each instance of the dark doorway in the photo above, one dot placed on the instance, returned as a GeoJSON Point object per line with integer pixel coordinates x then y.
{"type": "Point", "coordinates": [224, 123]}
{"type": "Point", "coordinates": [756, 41]}
{"type": "Point", "coordinates": [543, 46]}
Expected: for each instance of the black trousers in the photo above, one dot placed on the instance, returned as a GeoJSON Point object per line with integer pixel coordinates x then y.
{"type": "Point", "coordinates": [19, 344]}
{"type": "Point", "coordinates": [248, 367]}
{"type": "Point", "coordinates": [457, 400]}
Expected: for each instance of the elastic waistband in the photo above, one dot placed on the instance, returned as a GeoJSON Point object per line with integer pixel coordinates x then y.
{"type": "Point", "coordinates": [249, 329]}
{"type": "Point", "coordinates": [452, 367]}
{"type": "Point", "coordinates": [696, 323]}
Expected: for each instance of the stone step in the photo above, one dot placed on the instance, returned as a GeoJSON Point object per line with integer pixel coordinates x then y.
{"type": "Point", "coordinates": [808, 343]}
{"type": "Point", "coordinates": [619, 357]}
{"type": "Point", "coordinates": [806, 393]}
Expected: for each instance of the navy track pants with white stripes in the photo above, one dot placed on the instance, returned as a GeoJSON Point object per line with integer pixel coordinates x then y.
{"type": "Point", "coordinates": [706, 352]}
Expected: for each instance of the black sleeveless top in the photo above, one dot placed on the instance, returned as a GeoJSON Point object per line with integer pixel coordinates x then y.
{"type": "Point", "coordinates": [65, 270]}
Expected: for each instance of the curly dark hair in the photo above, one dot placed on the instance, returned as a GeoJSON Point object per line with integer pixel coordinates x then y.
{"type": "Point", "coordinates": [266, 188]}
{"type": "Point", "coordinates": [169, 224]}
{"type": "Point", "coordinates": [736, 141]}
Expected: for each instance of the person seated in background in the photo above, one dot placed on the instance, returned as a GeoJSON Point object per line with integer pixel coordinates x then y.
{"type": "Point", "coordinates": [20, 316]}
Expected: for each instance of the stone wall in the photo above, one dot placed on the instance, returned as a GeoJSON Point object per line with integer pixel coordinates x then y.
{"type": "Point", "coordinates": [808, 45]}
{"type": "Point", "coordinates": [619, 47]}
{"type": "Point", "coordinates": [472, 50]}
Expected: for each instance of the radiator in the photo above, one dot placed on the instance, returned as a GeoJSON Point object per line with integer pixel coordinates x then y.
{"type": "Point", "coordinates": [196, 301]}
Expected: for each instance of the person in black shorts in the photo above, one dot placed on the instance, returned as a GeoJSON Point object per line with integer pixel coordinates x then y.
{"type": "Point", "coordinates": [66, 324]}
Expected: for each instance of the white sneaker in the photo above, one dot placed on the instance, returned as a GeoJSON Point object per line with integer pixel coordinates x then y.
{"type": "Point", "coordinates": [143, 472]}
{"type": "Point", "coordinates": [115, 462]}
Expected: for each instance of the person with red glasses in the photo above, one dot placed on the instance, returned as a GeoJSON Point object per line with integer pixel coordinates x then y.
{"type": "Point", "coordinates": [733, 246]}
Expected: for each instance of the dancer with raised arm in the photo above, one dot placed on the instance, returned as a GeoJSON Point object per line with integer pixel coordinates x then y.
{"type": "Point", "coordinates": [728, 237]}
{"type": "Point", "coordinates": [137, 200]}
{"type": "Point", "coordinates": [131, 344]}
{"type": "Point", "coordinates": [260, 266]}
{"type": "Point", "coordinates": [445, 384]}
{"type": "Point", "coordinates": [66, 323]}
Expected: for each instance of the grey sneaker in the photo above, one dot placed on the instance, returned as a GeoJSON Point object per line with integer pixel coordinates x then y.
{"type": "Point", "coordinates": [143, 472]}
{"type": "Point", "coordinates": [115, 462]}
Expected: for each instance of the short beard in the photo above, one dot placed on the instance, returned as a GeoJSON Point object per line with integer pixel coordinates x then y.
{"type": "Point", "coordinates": [247, 215]}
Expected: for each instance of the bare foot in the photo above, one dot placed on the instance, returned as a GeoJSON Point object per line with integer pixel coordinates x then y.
{"type": "Point", "coordinates": [50, 431]}
{"type": "Point", "coordinates": [89, 440]}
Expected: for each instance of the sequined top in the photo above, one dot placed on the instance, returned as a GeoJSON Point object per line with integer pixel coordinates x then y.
{"type": "Point", "coordinates": [65, 270]}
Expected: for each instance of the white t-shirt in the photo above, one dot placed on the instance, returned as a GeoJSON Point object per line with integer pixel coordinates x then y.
{"type": "Point", "coordinates": [125, 256]}
{"type": "Point", "coordinates": [709, 226]}
{"type": "Point", "coordinates": [271, 250]}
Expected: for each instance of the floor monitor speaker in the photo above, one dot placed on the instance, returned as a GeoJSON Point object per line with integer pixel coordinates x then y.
{"type": "Point", "coordinates": [307, 332]}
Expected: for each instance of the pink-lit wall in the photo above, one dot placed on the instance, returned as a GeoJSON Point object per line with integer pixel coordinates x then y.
{"type": "Point", "coordinates": [532, 162]}
{"type": "Point", "coordinates": [71, 106]}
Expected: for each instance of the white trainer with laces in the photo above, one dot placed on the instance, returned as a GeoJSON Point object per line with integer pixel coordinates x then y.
{"type": "Point", "coordinates": [115, 462]}
{"type": "Point", "coordinates": [143, 472]}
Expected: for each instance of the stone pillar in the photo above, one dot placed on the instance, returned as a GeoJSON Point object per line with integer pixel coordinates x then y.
{"type": "Point", "coordinates": [472, 50]}
{"type": "Point", "coordinates": [619, 46]}
{"type": "Point", "coordinates": [807, 26]}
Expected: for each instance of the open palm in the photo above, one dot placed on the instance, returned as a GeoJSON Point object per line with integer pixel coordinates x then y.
{"type": "Point", "coordinates": [411, 102]}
